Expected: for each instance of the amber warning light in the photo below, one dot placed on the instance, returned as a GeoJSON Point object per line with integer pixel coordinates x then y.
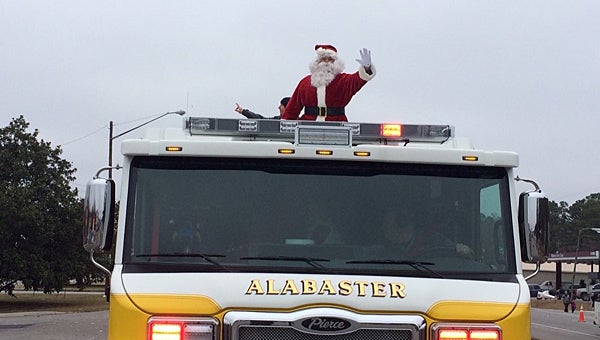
{"type": "Point", "coordinates": [391, 130]}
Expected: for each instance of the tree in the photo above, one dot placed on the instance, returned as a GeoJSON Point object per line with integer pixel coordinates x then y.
{"type": "Point", "coordinates": [40, 214]}
{"type": "Point", "coordinates": [585, 213]}
{"type": "Point", "coordinates": [560, 234]}
{"type": "Point", "coordinates": [566, 222]}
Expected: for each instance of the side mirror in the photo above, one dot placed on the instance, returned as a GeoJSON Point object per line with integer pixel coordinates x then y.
{"type": "Point", "coordinates": [534, 217]}
{"type": "Point", "coordinates": [98, 215]}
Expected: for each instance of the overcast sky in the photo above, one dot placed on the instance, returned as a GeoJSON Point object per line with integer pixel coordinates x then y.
{"type": "Point", "coordinates": [520, 76]}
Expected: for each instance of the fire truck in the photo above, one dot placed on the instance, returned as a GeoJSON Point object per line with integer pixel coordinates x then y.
{"type": "Point", "coordinates": [273, 229]}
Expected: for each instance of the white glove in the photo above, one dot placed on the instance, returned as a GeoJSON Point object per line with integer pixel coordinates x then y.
{"type": "Point", "coordinates": [365, 58]}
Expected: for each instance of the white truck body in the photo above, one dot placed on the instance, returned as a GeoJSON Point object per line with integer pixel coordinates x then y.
{"type": "Point", "coordinates": [242, 229]}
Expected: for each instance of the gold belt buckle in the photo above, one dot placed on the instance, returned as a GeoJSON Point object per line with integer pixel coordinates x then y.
{"type": "Point", "coordinates": [322, 111]}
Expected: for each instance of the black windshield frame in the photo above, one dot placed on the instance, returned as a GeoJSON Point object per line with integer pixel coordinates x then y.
{"type": "Point", "coordinates": [364, 187]}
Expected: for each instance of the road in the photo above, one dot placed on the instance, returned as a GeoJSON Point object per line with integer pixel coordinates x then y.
{"type": "Point", "coordinates": [546, 324]}
{"type": "Point", "coordinates": [554, 324]}
{"type": "Point", "coordinates": [54, 326]}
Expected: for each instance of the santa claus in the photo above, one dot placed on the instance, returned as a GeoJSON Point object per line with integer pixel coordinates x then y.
{"type": "Point", "coordinates": [325, 93]}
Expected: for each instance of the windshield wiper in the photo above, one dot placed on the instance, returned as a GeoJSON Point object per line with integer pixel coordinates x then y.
{"type": "Point", "coordinates": [205, 257]}
{"type": "Point", "coordinates": [418, 265]}
{"type": "Point", "coordinates": [311, 261]}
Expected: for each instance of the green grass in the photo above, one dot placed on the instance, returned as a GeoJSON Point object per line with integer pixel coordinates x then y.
{"type": "Point", "coordinates": [58, 302]}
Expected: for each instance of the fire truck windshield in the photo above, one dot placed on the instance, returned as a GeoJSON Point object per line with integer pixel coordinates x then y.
{"type": "Point", "coordinates": [315, 216]}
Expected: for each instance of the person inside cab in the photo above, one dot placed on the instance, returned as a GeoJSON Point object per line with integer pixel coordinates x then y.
{"type": "Point", "coordinates": [406, 240]}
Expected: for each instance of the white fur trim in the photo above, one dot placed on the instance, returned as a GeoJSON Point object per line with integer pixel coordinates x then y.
{"type": "Point", "coordinates": [364, 75]}
{"type": "Point", "coordinates": [321, 96]}
{"type": "Point", "coordinates": [325, 52]}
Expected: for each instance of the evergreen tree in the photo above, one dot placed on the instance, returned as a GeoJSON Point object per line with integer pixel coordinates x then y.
{"type": "Point", "coordinates": [40, 214]}
{"type": "Point", "coordinates": [585, 213]}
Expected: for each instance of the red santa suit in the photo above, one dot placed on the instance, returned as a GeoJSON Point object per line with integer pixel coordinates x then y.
{"type": "Point", "coordinates": [327, 101]}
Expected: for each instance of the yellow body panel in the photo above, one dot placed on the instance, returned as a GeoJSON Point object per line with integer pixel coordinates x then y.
{"type": "Point", "coordinates": [518, 324]}
{"type": "Point", "coordinates": [468, 310]}
{"type": "Point", "coordinates": [177, 305]}
{"type": "Point", "coordinates": [127, 321]}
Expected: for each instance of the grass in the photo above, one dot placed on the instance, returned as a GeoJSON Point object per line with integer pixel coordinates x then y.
{"type": "Point", "coordinates": [62, 302]}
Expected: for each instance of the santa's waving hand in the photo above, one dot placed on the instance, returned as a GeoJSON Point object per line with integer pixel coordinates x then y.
{"type": "Point", "coordinates": [325, 93]}
{"type": "Point", "coordinates": [365, 58]}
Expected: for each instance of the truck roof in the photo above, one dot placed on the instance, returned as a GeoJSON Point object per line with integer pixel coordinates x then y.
{"type": "Point", "coordinates": [298, 139]}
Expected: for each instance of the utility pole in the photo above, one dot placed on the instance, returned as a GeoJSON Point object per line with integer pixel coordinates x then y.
{"type": "Point", "coordinates": [111, 138]}
{"type": "Point", "coordinates": [110, 148]}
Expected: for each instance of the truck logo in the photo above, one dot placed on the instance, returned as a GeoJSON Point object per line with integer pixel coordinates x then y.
{"type": "Point", "coordinates": [325, 324]}
{"type": "Point", "coordinates": [327, 287]}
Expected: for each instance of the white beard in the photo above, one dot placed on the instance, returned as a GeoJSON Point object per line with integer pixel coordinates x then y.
{"type": "Point", "coordinates": [323, 73]}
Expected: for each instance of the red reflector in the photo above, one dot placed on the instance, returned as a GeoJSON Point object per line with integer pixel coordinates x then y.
{"type": "Point", "coordinates": [166, 331]}
{"type": "Point", "coordinates": [390, 130]}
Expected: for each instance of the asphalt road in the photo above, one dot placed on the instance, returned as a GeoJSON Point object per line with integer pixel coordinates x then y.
{"type": "Point", "coordinates": [554, 324]}
{"type": "Point", "coordinates": [54, 326]}
{"type": "Point", "coordinates": [546, 324]}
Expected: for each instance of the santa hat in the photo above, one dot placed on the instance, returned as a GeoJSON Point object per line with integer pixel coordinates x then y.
{"type": "Point", "coordinates": [326, 50]}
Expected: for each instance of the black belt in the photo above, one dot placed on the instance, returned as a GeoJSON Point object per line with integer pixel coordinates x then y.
{"type": "Point", "coordinates": [324, 111]}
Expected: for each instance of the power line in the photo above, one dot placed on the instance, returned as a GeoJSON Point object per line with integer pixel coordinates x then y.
{"type": "Point", "coordinates": [104, 127]}
{"type": "Point", "coordinates": [83, 137]}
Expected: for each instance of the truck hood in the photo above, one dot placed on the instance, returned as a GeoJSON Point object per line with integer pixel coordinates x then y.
{"type": "Point", "coordinates": [212, 293]}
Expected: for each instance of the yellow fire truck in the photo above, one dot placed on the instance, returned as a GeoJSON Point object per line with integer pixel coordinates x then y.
{"type": "Point", "coordinates": [271, 229]}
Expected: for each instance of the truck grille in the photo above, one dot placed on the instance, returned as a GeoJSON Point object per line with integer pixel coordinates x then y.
{"type": "Point", "coordinates": [256, 333]}
{"type": "Point", "coordinates": [322, 323]}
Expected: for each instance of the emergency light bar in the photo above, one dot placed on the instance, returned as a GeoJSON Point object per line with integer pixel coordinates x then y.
{"type": "Point", "coordinates": [314, 132]}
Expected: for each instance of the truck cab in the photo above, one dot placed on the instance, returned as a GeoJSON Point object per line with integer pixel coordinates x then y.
{"type": "Point", "coordinates": [245, 229]}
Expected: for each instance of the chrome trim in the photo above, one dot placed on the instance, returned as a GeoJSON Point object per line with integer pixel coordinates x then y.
{"type": "Point", "coordinates": [233, 321]}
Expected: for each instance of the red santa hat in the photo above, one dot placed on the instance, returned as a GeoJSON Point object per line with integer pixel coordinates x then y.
{"type": "Point", "coordinates": [326, 50]}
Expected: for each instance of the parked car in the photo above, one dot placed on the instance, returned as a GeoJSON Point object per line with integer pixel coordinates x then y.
{"type": "Point", "coordinates": [586, 293]}
{"type": "Point", "coordinates": [534, 290]}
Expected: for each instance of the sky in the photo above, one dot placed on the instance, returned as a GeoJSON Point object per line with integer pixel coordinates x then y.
{"type": "Point", "coordinates": [520, 76]}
